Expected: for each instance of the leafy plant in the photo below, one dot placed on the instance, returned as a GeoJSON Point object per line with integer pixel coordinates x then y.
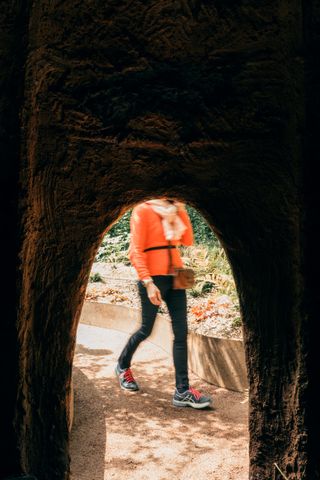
{"type": "Point", "coordinates": [213, 271]}
{"type": "Point", "coordinates": [96, 277]}
{"type": "Point", "coordinates": [115, 244]}
{"type": "Point", "coordinates": [122, 227]}
{"type": "Point", "coordinates": [201, 230]}
{"type": "Point", "coordinates": [202, 287]}
{"type": "Point", "coordinates": [237, 322]}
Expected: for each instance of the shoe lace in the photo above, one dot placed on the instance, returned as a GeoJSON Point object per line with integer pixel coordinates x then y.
{"type": "Point", "coordinates": [128, 376]}
{"type": "Point", "coordinates": [195, 392]}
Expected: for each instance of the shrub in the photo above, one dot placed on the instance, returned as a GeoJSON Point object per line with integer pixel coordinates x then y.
{"type": "Point", "coordinates": [122, 227]}
{"type": "Point", "coordinates": [237, 322]}
{"type": "Point", "coordinates": [114, 246]}
{"type": "Point", "coordinates": [213, 271]}
{"type": "Point", "coordinates": [96, 277]}
{"type": "Point", "coordinates": [114, 249]}
{"type": "Point", "coordinates": [203, 235]}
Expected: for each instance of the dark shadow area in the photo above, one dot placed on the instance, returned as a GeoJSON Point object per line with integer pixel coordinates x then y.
{"type": "Point", "coordinates": [91, 351]}
{"type": "Point", "coordinates": [88, 434]}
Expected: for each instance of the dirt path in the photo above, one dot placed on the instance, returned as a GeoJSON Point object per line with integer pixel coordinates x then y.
{"type": "Point", "coordinates": [141, 436]}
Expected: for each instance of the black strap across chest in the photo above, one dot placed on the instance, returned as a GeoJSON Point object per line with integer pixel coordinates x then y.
{"type": "Point", "coordinates": [162, 247]}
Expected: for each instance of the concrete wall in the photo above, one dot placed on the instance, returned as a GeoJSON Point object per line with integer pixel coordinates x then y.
{"type": "Point", "coordinates": [218, 361]}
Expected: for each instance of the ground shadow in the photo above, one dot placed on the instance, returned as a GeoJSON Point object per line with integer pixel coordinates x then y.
{"type": "Point", "coordinates": [88, 434]}
{"type": "Point", "coordinates": [92, 351]}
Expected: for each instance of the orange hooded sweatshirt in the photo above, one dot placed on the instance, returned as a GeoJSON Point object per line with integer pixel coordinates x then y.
{"type": "Point", "coordinates": [147, 231]}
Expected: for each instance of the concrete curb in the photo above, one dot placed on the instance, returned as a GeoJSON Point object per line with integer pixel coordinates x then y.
{"type": "Point", "coordinates": [216, 360]}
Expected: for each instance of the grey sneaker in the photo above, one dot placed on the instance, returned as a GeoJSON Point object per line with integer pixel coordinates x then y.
{"type": "Point", "coordinates": [126, 380]}
{"type": "Point", "coordinates": [191, 398]}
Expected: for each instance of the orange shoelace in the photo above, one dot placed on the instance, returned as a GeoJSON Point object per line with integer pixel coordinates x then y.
{"type": "Point", "coordinates": [195, 392]}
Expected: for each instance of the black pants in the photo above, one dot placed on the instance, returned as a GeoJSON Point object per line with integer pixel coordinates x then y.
{"type": "Point", "coordinates": [177, 306]}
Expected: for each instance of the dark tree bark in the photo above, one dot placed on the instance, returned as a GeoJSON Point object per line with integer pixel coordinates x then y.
{"type": "Point", "coordinates": [13, 34]}
{"type": "Point", "coordinates": [311, 236]}
{"type": "Point", "coordinates": [126, 101]}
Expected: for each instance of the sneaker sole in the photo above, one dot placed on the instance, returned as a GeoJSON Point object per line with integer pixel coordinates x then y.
{"type": "Point", "coordinates": [122, 387]}
{"type": "Point", "coordinates": [129, 389]}
{"type": "Point", "coordinates": [198, 406]}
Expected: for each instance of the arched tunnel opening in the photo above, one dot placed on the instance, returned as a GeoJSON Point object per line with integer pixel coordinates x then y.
{"type": "Point", "coordinates": [260, 275]}
{"type": "Point", "coordinates": [119, 433]}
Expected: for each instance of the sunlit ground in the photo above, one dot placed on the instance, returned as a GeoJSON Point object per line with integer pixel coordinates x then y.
{"type": "Point", "coordinates": [141, 436]}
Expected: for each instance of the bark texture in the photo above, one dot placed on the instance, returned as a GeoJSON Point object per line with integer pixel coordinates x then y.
{"type": "Point", "coordinates": [125, 101]}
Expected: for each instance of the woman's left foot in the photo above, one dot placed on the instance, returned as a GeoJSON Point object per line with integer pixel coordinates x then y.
{"type": "Point", "coordinates": [191, 398]}
{"type": "Point", "coordinates": [126, 380]}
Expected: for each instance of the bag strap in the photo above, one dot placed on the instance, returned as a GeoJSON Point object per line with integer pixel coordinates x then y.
{"type": "Point", "coordinates": [159, 248]}
{"type": "Point", "coordinates": [170, 268]}
{"type": "Point", "coordinates": [165, 247]}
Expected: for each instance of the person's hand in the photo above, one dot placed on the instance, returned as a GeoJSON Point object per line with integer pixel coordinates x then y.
{"type": "Point", "coordinates": [154, 294]}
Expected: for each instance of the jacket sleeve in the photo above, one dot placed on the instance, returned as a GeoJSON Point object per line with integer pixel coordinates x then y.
{"type": "Point", "coordinates": [138, 233]}
{"type": "Point", "coordinates": [187, 237]}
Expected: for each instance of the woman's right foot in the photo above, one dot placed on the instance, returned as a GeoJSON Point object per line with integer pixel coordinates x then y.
{"type": "Point", "coordinates": [191, 398]}
{"type": "Point", "coordinates": [126, 380]}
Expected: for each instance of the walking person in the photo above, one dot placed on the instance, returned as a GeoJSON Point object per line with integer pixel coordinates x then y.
{"type": "Point", "coordinates": [157, 228]}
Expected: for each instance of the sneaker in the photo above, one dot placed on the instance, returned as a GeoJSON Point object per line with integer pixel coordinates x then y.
{"type": "Point", "coordinates": [191, 398]}
{"type": "Point", "coordinates": [126, 380]}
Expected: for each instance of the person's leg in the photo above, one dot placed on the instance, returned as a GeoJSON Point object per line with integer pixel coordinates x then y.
{"type": "Point", "coordinates": [149, 313]}
{"type": "Point", "coordinates": [177, 305]}
{"type": "Point", "coordinates": [184, 396]}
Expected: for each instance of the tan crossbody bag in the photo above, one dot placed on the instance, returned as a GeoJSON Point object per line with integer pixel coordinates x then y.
{"type": "Point", "coordinates": [182, 277]}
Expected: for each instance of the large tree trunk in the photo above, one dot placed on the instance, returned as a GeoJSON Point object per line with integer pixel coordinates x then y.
{"type": "Point", "coordinates": [125, 101]}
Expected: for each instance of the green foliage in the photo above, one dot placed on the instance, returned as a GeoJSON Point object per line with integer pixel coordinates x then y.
{"type": "Point", "coordinates": [122, 227]}
{"type": "Point", "coordinates": [237, 322]}
{"type": "Point", "coordinates": [203, 235]}
{"type": "Point", "coordinates": [213, 271]}
{"type": "Point", "coordinates": [114, 249]}
{"type": "Point", "coordinates": [114, 246]}
{"type": "Point", "coordinates": [96, 277]}
{"type": "Point", "coordinates": [201, 288]}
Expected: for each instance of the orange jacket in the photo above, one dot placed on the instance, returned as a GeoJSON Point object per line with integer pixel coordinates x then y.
{"type": "Point", "coordinates": [147, 231]}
